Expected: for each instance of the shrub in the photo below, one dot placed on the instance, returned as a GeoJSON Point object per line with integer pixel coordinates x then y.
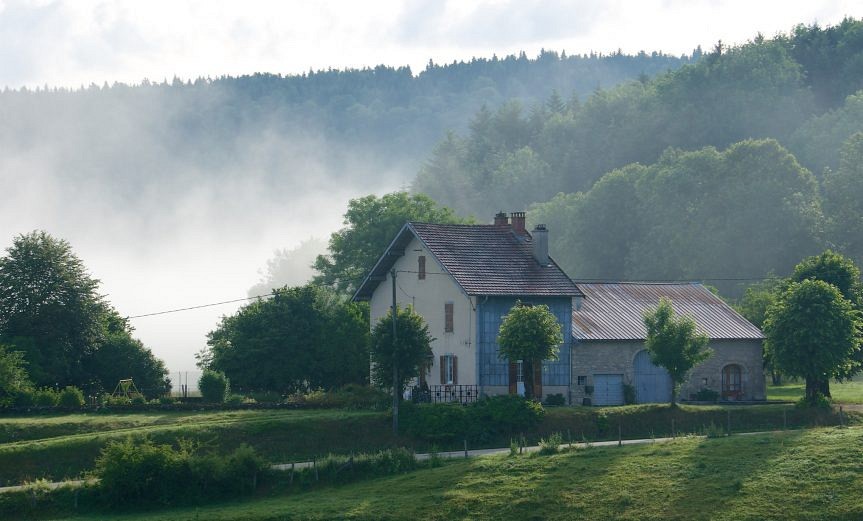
{"type": "Point", "coordinates": [235, 399]}
{"type": "Point", "coordinates": [266, 397]}
{"type": "Point", "coordinates": [819, 401]}
{"type": "Point", "coordinates": [46, 397]}
{"type": "Point", "coordinates": [341, 468]}
{"type": "Point", "coordinates": [114, 401]}
{"type": "Point", "coordinates": [167, 400]}
{"type": "Point", "coordinates": [550, 445]}
{"type": "Point", "coordinates": [137, 399]}
{"type": "Point", "coordinates": [71, 397]}
{"type": "Point", "coordinates": [707, 395]}
{"type": "Point", "coordinates": [143, 473]}
{"type": "Point", "coordinates": [495, 418]}
{"type": "Point", "coordinates": [213, 386]}
{"type": "Point", "coordinates": [434, 421]}
{"type": "Point", "coordinates": [25, 398]}
{"type": "Point", "coordinates": [714, 431]}
{"type": "Point", "coordinates": [629, 396]}
{"type": "Point", "coordinates": [504, 415]}
{"type": "Point", "coordinates": [356, 396]}
{"type": "Point", "coordinates": [555, 400]}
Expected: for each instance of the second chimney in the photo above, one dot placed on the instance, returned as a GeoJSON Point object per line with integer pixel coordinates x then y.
{"type": "Point", "coordinates": [540, 244]}
{"type": "Point", "coordinates": [518, 225]}
{"type": "Point", "coordinates": [500, 219]}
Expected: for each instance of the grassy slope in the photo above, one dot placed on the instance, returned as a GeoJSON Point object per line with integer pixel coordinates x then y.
{"type": "Point", "coordinates": [66, 446]}
{"type": "Point", "coordinates": [797, 475]}
{"type": "Point", "coordinates": [844, 392]}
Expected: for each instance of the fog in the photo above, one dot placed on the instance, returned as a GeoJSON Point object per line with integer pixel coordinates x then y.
{"type": "Point", "coordinates": [169, 219]}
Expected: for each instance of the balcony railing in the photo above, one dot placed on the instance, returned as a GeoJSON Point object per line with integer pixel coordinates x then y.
{"type": "Point", "coordinates": [445, 394]}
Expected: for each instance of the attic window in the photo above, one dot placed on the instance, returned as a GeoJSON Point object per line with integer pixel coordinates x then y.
{"type": "Point", "coordinates": [421, 267]}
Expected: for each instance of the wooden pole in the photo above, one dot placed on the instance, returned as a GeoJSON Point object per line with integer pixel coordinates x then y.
{"type": "Point", "coordinates": [395, 360]}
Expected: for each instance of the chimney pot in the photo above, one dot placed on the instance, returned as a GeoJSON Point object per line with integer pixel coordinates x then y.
{"type": "Point", "coordinates": [540, 244]}
{"type": "Point", "coordinates": [518, 224]}
{"type": "Point", "coordinates": [500, 219]}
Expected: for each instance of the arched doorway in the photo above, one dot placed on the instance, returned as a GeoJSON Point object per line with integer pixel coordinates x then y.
{"type": "Point", "coordinates": [652, 383]}
{"type": "Point", "coordinates": [732, 382]}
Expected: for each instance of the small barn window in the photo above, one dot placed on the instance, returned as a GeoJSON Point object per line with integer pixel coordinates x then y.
{"type": "Point", "coordinates": [447, 318]}
{"type": "Point", "coordinates": [582, 380]}
{"type": "Point", "coordinates": [421, 267]}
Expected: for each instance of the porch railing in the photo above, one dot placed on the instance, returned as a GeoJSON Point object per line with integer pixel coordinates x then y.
{"type": "Point", "coordinates": [445, 394]}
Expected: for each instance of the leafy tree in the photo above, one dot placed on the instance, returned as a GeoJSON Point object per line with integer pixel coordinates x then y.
{"type": "Point", "coordinates": [754, 305]}
{"type": "Point", "coordinates": [530, 334]}
{"type": "Point", "coordinates": [836, 269]}
{"type": "Point", "coordinates": [813, 332]}
{"type": "Point", "coordinates": [214, 386]}
{"type": "Point", "coordinates": [371, 222]}
{"type": "Point", "coordinates": [843, 195]}
{"type": "Point", "coordinates": [13, 375]}
{"type": "Point", "coordinates": [299, 339]}
{"type": "Point", "coordinates": [673, 343]}
{"type": "Point", "coordinates": [49, 308]}
{"type": "Point", "coordinates": [411, 352]}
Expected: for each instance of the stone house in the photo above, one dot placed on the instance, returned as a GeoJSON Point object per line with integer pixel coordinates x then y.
{"type": "Point", "coordinates": [463, 279]}
{"type": "Point", "coordinates": [608, 345]}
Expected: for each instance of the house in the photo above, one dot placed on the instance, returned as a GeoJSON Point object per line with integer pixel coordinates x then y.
{"type": "Point", "coordinates": [608, 345]}
{"type": "Point", "coordinates": [463, 279]}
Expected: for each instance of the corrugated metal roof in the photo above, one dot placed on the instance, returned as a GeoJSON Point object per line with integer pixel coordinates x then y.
{"type": "Point", "coordinates": [615, 311]}
{"type": "Point", "coordinates": [483, 260]}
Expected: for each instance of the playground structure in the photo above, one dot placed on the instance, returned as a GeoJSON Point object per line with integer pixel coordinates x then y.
{"type": "Point", "coordinates": [126, 389]}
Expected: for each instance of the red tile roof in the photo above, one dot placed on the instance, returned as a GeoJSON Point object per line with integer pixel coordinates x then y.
{"type": "Point", "coordinates": [615, 311]}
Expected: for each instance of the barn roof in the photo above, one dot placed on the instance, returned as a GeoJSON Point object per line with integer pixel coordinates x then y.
{"type": "Point", "coordinates": [615, 311]}
{"type": "Point", "coordinates": [483, 260]}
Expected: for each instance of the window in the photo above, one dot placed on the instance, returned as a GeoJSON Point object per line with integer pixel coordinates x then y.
{"type": "Point", "coordinates": [447, 317]}
{"type": "Point", "coordinates": [448, 369]}
{"type": "Point", "coordinates": [421, 267]}
{"type": "Point", "coordinates": [582, 380]}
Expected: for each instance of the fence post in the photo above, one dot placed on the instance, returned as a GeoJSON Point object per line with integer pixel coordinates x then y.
{"type": "Point", "coordinates": [729, 421]}
{"type": "Point", "coordinates": [672, 429]}
{"type": "Point", "coordinates": [619, 435]}
{"type": "Point", "coordinates": [291, 481]}
{"type": "Point", "coordinates": [841, 417]}
{"type": "Point", "coordinates": [465, 448]}
{"type": "Point", "coordinates": [569, 435]}
{"type": "Point", "coordinates": [315, 466]}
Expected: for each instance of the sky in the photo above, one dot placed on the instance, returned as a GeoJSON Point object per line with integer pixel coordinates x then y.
{"type": "Point", "coordinates": [76, 43]}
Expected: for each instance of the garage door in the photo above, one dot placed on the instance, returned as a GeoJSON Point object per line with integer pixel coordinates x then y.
{"type": "Point", "coordinates": [608, 389]}
{"type": "Point", "coordinates": [652, 383]}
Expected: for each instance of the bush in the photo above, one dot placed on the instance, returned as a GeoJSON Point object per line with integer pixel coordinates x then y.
{"type": "Point", "coordinates": [71, 397]}
{"type": "Point", "coordinates": [342, 469]}
{"type": "Point", "coordinates": [714, 431]}
{"type": "Point", "coordinates": [550, 445]}
{"type": "Point", "coordinates": [434, 421]}
{"type": "Point", "coordinates": [46, 397]}
{"type": "Point", "coordinates": [25, 398]}
{"type": "Point", "coordinates": [143, 473]}
{"type": "Point", "coordinates": [137, 399]}
{"type": "Point", "coordinates": [114, 401]}
{"type": "Point", "coordinates": [629, 396]}
{"type": "Point", "coordinates": [707, 395]}
{"type": "Point", "coordinates": [819, 401]}
{"type": "Point", "coordinates": [235, 399]}
{"type": "Point", "coordinates": [356, 396]}
{"type": "Point", "coordinates": [167, 400]}
{"type": "Point", "coordinates": [213, 386]}
{"type": "Point", "coordinates": [495, 418]}
{"type": "Point", "coordinates": [266, 397]}
{"type": "Point", "coordinates": [555, 400]}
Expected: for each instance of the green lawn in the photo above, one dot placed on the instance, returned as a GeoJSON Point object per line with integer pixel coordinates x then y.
{"type": "Point", "coordinates": [798, 475]}
{"type": "Point", "coordinates": [843, 392]}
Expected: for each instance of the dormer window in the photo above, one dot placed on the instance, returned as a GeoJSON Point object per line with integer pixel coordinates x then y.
{"type": "Point", "coordinates": [421, 267]}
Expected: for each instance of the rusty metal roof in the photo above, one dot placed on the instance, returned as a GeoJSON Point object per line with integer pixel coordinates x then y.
{"type": "Point", "coordinates": [615, 311]}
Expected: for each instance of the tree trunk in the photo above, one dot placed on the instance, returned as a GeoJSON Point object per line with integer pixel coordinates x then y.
{"type": "Point", "coordinates": [776, 377]}
{"type": "Point", "coordinates": [673, 395]}
{"type": "Point", "coordinates": [527, 375]}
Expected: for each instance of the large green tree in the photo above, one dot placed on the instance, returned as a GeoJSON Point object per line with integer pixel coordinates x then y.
{"type": "Point", "coordinates": [814, 332]}
{"type": "Point", "coordinates": [843, 195]}
{"type": "Point", "coordinates": [371, 222]}
{"type": "Point", "coordinates": [298, 339]}
{"type": "Point", "coordinates": [674, 343]}
{"type": "Point", "coordinates": [530, 334]}
{"type": "Point", "coordinates": [410, 351]}
{"type": "Point", "coordinates": [49, 308]}
{"type": "Point", "coordinates": [836, 269]}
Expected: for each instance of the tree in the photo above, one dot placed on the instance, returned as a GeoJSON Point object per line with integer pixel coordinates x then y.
{"type": "Point", "coordinates": [371, 223]}
{"type": "Point", "coordinates": [836, 269]}
{"type": "Point", "coordinates": [754, 305]}
{"type": "Point", "coordinates": [214, 386]}
{"type": "Point", "coordinates": [13, 375]}
{"type": "Point", "coordinates": [674, 343]}
{"type": "Point", "coordinates": [843, 195]}
{"type": "Point", "coordinates": [49, 308]}
{"type": "Point", "coordinates": [298, 339]}
{"type": "Point", "coordinates": [411, 352]}
{"type": "Point", "coordinates": [530, 334]}
{"type": "Point", "coordinates": [813, 332]}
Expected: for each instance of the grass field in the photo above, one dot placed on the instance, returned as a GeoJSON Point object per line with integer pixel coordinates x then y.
{"type": "Point", "coordinates": [843, 392]}
{"type": "Point", "coordinates": [797, 475]}
{"type": "Point", "coordinates": [56, 447]}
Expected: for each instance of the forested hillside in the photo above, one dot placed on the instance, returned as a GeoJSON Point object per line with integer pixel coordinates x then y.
{"type": "Point", "coordinates": [724, 168]}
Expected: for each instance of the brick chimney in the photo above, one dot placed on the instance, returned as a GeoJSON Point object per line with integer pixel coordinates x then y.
{"type": "Point", "coordinates": [500, 219]}
{"type": "Point", "coordinates": [540, 244]}
{"type": "Point", "coordinates": [518, 225]}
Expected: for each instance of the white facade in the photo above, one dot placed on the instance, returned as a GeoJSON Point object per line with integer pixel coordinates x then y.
{"type": "Point", "coordinates": [429, 297]}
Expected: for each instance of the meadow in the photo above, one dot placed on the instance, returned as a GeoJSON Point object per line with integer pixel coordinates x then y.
{"type": "Point", "coordinates": [795, 475]}
{"type": "Point", "coordinates": [849, 392]}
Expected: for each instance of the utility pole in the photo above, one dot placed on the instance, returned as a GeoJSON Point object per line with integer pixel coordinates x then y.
{"type": "Point", "coordinates": [395, 360]}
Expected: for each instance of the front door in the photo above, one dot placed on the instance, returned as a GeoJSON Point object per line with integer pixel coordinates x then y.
{"type": "Point", "coordinates": [652, 383]}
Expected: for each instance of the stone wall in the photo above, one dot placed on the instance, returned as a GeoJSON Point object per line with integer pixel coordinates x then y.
{"type": "Point", "coordinates": [594, 357]}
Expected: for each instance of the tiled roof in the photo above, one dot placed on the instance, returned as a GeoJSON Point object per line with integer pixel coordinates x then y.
{"type": "Point", "coordinates": [483, 259]}
{"type": "Point", "coordinates": [615, 311]}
